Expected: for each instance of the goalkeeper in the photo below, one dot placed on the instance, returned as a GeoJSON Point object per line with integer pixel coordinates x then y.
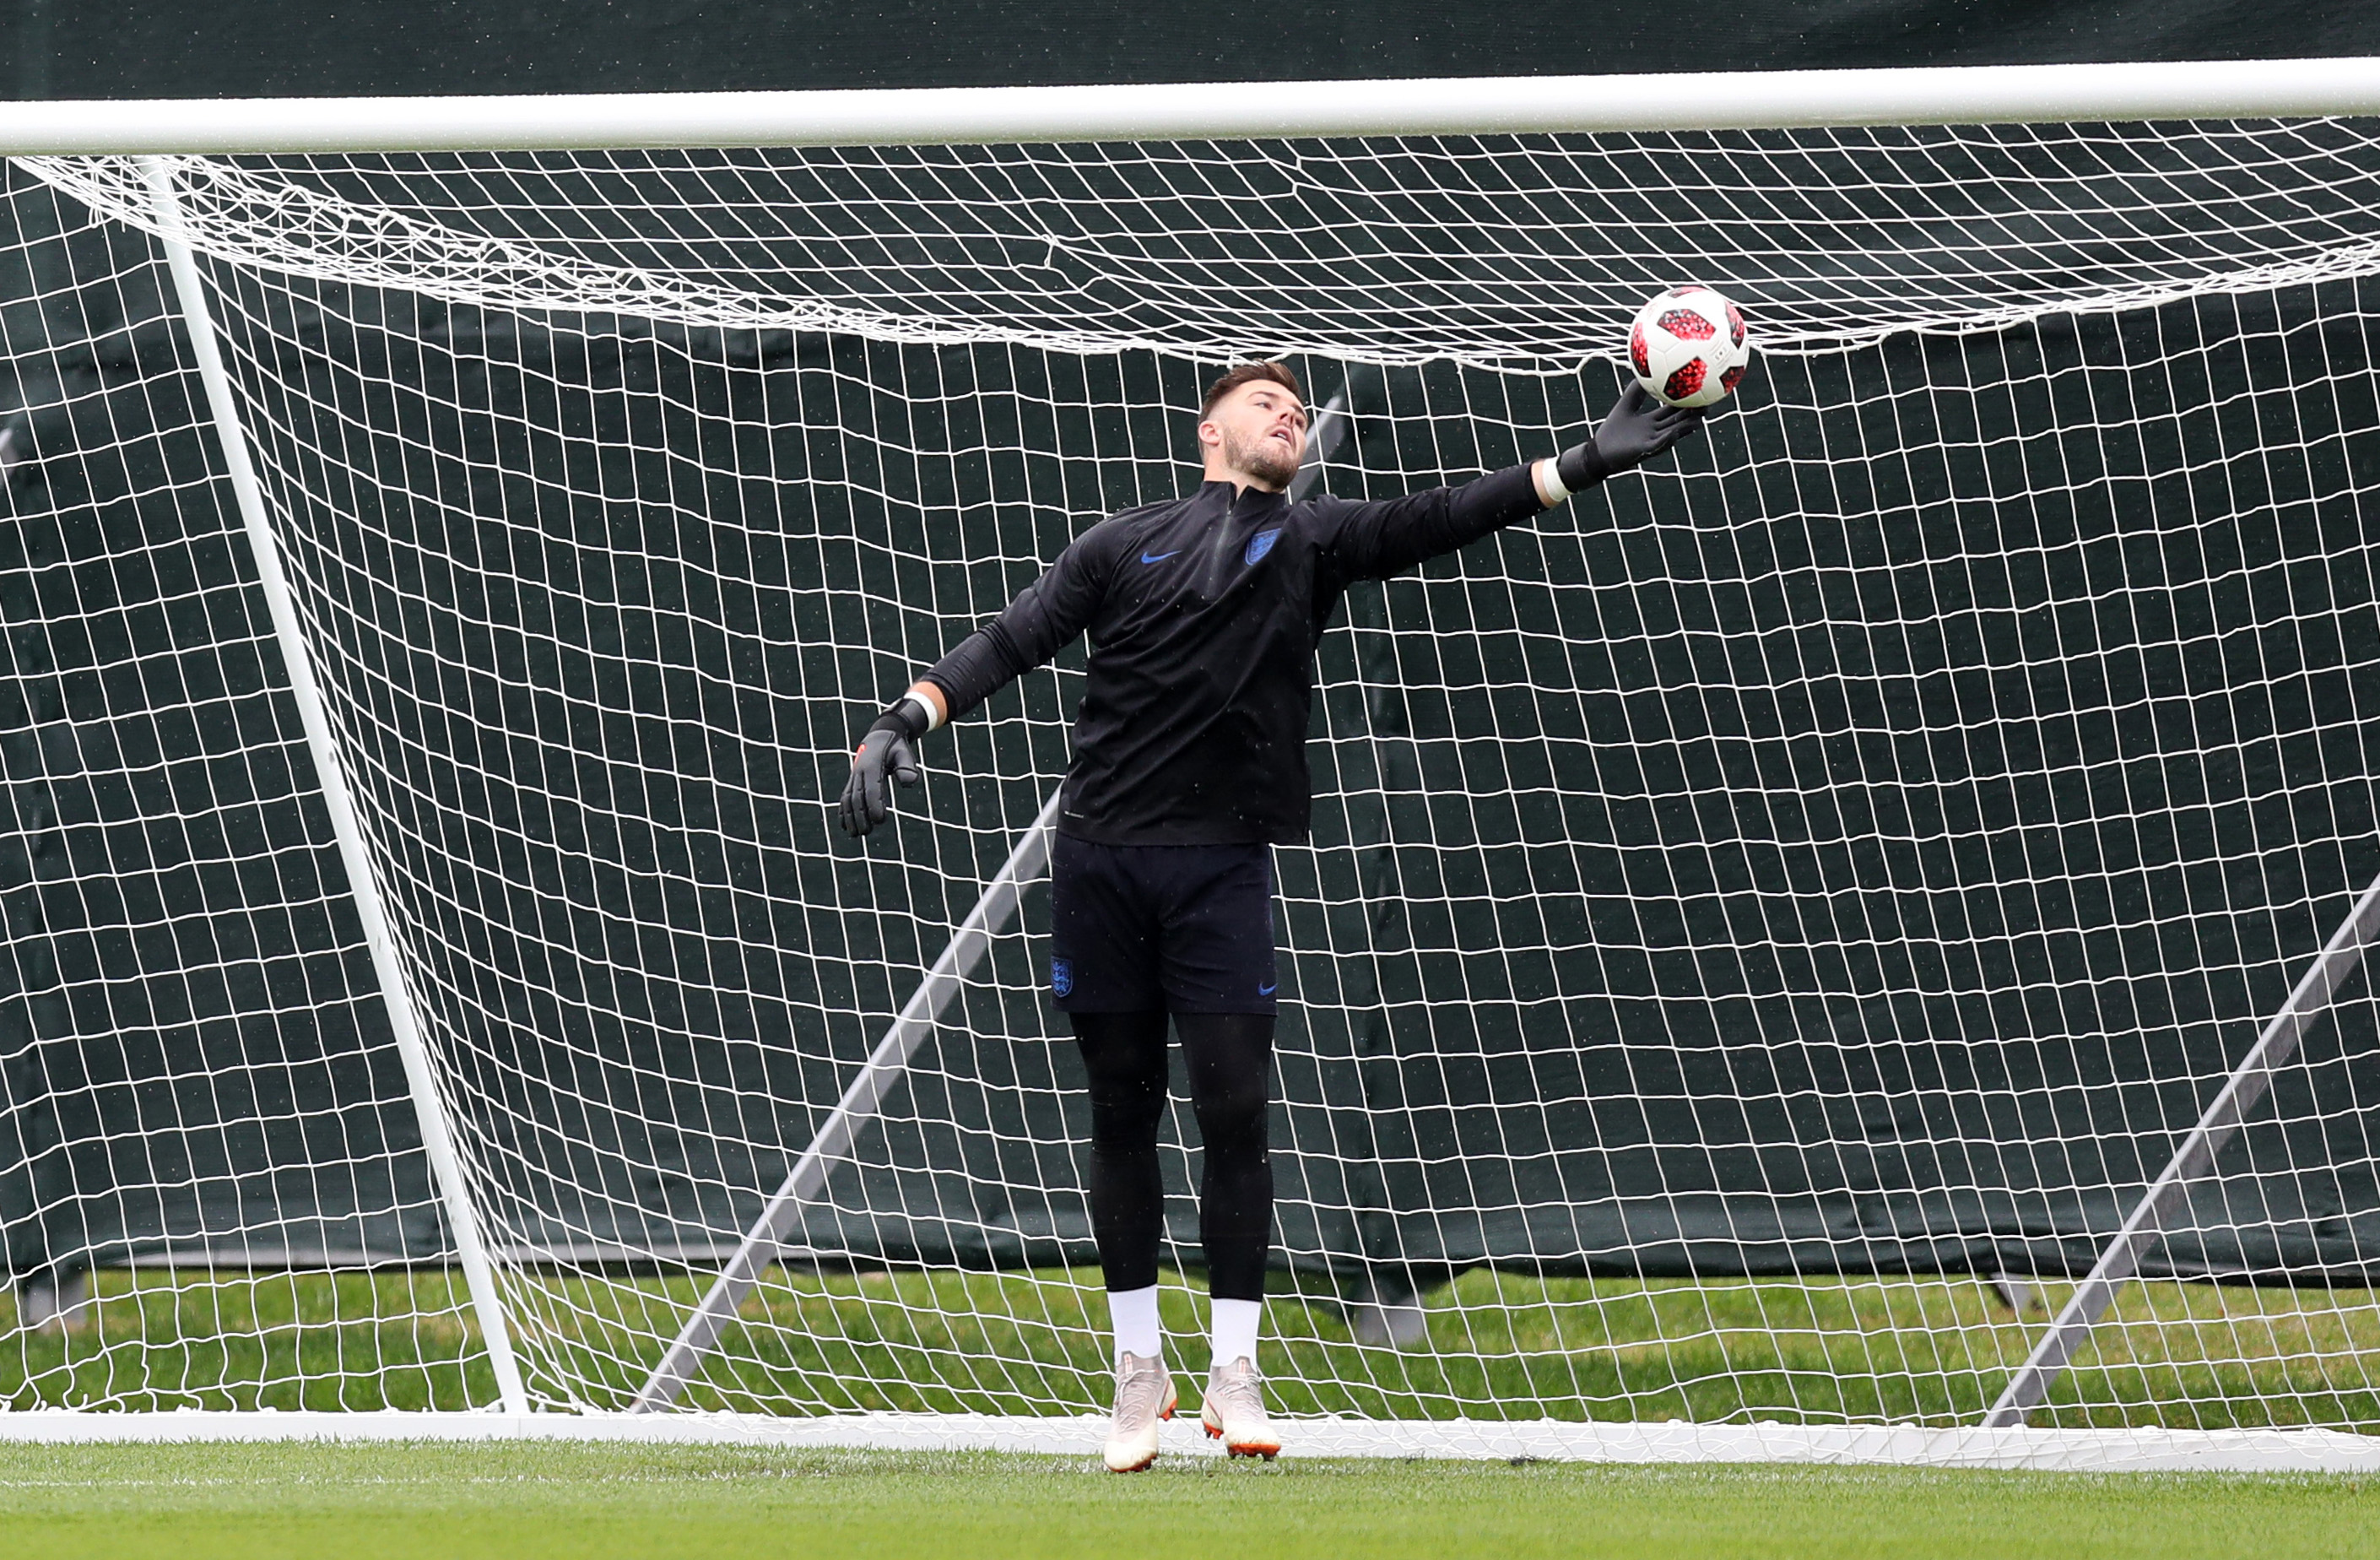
{"type": "Point", "coordinates": [1189, 766]}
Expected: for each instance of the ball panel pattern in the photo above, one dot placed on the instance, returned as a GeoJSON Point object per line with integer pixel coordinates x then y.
{"type": "Point", "coordinates": [1689, 324]}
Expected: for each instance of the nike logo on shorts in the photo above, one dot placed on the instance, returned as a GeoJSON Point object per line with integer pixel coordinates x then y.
{"type": "Point", "coordinates": [1160, 558]}
{"type": "Point", "coordinates": [1269, 989]}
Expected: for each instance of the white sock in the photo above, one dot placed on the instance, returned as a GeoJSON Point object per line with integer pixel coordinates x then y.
{"type": "Point", "coordinates": [1235, 1330]}
{"type": "Point", "coordinates": [1133, 1314]}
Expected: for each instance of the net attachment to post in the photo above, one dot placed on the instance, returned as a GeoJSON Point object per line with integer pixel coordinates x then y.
{"type": "Point", "coordinates": [1747, 911]}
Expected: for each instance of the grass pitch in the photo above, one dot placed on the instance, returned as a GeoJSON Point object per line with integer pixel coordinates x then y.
{"type": "Point", "coordinates": [525, 1502]}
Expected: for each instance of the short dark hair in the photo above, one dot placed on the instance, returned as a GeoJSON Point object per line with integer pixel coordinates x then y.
{"type": "Point", "coordinates": [1249, 374]}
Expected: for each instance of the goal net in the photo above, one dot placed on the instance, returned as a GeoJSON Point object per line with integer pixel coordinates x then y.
{"type": "Point", "coordinates": [1768, 925]}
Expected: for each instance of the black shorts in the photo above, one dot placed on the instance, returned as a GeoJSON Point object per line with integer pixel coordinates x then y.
{"type": "Point", "coordinates": [1170, 928]}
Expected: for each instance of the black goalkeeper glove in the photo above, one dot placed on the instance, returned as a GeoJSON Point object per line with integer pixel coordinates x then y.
{"type": "Point", "coordinates": [885, 753]}
{"type": "Point", "coordinates": [1638, 429]}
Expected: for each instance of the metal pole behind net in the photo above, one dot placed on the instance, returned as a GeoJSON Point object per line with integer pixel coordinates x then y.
{"type": "Point", "coordinates": [2168, 1195]}
{"type": "Point", "coordinates": [876, 1079]}
{"type": "Point", "coordinates": [429, 1104]}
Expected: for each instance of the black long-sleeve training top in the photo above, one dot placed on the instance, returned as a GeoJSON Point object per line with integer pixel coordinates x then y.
{"type": "Point", "coordinates": [1204, 613]}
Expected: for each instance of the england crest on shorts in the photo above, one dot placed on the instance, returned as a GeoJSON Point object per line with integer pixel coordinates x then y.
{"type": "Point", "coordinates": [1062, 976]}
{"type": "Point", "coordinates": [1261, 544]}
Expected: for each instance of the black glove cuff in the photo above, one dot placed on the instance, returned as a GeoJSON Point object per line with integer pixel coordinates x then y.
{"type": "Point", "coordinates": [1581, 467]}
{"type": "Point", "coordinates": [904, 719]}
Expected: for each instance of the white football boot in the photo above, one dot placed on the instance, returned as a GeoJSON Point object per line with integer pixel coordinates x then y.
{"type": "Point", "coordinates": [1144, 1396]}
{"type": "Point", "coordinates": [1234, 1411]}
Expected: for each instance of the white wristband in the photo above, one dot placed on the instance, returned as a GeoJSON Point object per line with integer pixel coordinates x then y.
{"type": "Point", "coordinates": [1550, 482]}
{"type": "Point", "coordinates": [933, 714]}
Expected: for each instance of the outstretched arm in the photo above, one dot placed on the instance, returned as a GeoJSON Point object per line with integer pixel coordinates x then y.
{"type": "Point", "coordinates": [1386, 538]}
{"type": "Point", "coordinates": [1043, 619]}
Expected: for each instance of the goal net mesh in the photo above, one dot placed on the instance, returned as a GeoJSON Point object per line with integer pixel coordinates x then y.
{"type": "Point", "coordinates": [1749, 912]}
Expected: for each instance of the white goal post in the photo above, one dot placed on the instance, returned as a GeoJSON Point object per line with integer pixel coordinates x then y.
{"type": "Point", "coordinates": [1922, 836]}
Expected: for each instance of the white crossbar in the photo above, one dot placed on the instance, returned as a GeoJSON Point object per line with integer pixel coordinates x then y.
{"type": "Point", "coordinates": [1479, 105]}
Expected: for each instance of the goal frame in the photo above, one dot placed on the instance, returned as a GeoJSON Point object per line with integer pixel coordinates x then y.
{"type": "Point", "coordinates": [156, 130]}
{"type": "Point", "coordinates": [1996, 95]}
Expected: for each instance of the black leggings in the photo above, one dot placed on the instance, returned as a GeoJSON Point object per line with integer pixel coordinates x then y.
{"type": "Point", "coordinates": [1229, 1056]}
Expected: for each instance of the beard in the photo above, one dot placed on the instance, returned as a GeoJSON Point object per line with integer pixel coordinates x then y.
{"type": "Point", "coordinates": [1264, 458]}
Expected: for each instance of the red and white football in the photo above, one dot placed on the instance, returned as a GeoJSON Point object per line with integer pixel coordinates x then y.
{"type": "Point", "coordinates": [1688, 347]}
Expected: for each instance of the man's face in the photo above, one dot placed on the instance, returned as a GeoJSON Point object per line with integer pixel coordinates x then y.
{"type": "Point", "coordinates": [1259, 431]}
